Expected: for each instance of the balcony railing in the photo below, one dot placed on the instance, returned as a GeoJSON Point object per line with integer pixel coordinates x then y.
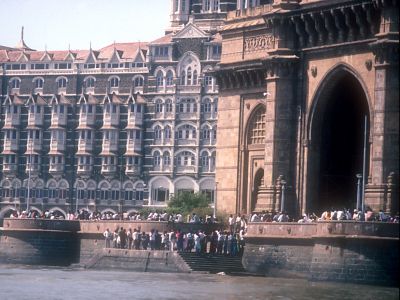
{"type": "Point", "coordinates": [186, 169]}
{"type": "Point", "coordinates": [35, 119]}
{"type": "Point", "coordinates": [12, 120]}
{"type": "Point", "coordinates": [10, 145]}
{"type": "Point", "coordinates": [9, 168]}
{"type": "Point", "coordinates": [132, 170]}
{"type": "Point", "coordinates": [56, 168]}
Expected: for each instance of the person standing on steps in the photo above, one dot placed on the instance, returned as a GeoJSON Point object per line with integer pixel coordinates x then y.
{"type": "Point", "coordinates": [108, 237]}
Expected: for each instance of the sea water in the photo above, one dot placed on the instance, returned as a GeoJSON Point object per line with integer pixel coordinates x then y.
{"type": "Point", "coordinates": [27, 282]}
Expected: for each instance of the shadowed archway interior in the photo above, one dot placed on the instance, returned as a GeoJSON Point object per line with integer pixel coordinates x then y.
{"type": "Point", "coordinates": [337, 141]}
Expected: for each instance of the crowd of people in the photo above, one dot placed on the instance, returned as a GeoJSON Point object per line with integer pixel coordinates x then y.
{"type": "Point", "coordinates": [216, 242]}
{"type": "Point", "coordinates": [329, 215]}
{"type": "Point", "coordinates": [239, 221]}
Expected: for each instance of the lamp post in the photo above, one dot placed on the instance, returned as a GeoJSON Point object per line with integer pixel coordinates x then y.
{"type": "Point", "coordinates": [283, 186]}
{"type": "Point", "coordinates": [359, 177]}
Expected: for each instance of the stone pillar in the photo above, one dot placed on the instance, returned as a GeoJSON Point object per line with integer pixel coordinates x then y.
{"type": "Point", "coordinates": [385, 122]}
{"type": "Point", "coordinates": [280, 135]}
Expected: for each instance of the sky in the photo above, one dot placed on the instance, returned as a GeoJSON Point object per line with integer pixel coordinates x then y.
{"type": "Point", "coordinates": [60, 24]}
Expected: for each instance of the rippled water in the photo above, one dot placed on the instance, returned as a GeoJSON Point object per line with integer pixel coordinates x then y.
{"type": "Point", "coordinates": [64, 283]}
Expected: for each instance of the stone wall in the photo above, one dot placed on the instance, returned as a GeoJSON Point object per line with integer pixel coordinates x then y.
{"type": "Point", "coordinates": [359, 252]}
{"type": "Point", "coordinates": [139, 261]}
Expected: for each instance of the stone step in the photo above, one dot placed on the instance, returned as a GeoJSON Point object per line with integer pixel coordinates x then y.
{"type": "Point", "coordinates": [213, 263]}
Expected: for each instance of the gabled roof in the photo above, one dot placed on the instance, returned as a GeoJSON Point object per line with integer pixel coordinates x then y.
{"type": "Point", "coordinates": [190, 31]}
{"type": "Point", "coordinates": [13, 99]}
{"type": "Point", "coordinates": [46, 56]}
{"type": "Point", "coordinates": [89, 99]}
{"type": "Point", "coordinates": [60, 99]}
{"type": "Point", "coordinates": [124, 50]}
{"type": "Point", "coordinates": [112, 98]}
{"type": "Point", "coordinates": [36, 99]}
{"type": "Point", "coordinates": [136, 98]}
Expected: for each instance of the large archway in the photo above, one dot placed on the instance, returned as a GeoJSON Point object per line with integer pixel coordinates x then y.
{"type": "Point", "coordinates": [337, 134]}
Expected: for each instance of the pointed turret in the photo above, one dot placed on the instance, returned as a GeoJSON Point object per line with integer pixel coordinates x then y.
{"type": "Point", "coordinates": [21, 45]}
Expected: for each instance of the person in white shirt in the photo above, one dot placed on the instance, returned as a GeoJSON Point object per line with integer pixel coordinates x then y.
{"type": "Point", "coordinates": [255, 218]}
{"type": "Point", "coordinates": [108, 237]}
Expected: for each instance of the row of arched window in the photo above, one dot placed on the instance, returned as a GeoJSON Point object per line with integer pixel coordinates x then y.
{"type": "Point", "coordinates": [88, 82]}
{"type": "Point", "coordinates": [183, 158]}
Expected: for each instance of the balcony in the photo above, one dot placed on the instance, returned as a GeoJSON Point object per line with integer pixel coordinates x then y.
{"type": "Point", "coordinates": [207, 142]}
{"type": "Point", "coordinates": [109, 146]}
{"type": "Point", "coordinates": [135, 120]}
{"type": "Point", "coordinates": [10, 145]}
{"type": "Point", "coordinates": [132, 170]}
{"type": "Point", "coordinates": [33, 169]}
{"type": "Point", "coordinates": [85, 145]}
{"type": "Point", "coordinates": [10, 168]}
{"type": "Point", "coordinates": [187, 116]}
{"type": "Point", "coordinates": [84, 169]}
{"type": "Point", "coordinates": [86, 119]}
{"type": "Point", "coordinates": [12, 120]}
{"type": "Point", "coordinates": [190, 89]}
{"type": "Point", "coordinates": [108, 169]}
{"type": "Point", "coordinates": [58, 119]}
{"type": "Point", "coordinates": [186, 142]}
{"type": "Point", "coordinates": [35, 119]}
{"type": "Point", "coordinates": [57, 146]}
{"type": "Point", "coordinates": [110, 119]}
{"type": "Point", "coordinates": [133, 145]}
{"type": "Point", "coordinates": [56, 168]}
{"type": "Point", "coordinates": [186, 169]}
{"type": "Point", "coordinates": [34, 145]}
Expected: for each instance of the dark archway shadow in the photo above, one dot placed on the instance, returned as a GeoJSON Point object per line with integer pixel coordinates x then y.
{"type": "Point", "coordinates": [336, 150]}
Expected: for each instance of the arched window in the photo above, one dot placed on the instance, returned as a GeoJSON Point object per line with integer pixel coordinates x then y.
{"type": "Point", "coordinates": [256, 131]}
{"type": "Point", "coordinates": [89, 82]}
{"type": "Point", "coordinates": [38, 83]}
{"type": "Point", "coordinates": [62, 82]}
{"type": "Point", "coordinates": [168, 106]}
{"type": "Point", "coordinates": [186, 158]}
{"type": "Point", "coordinates": [187, 132]}
{"type": "Point", "coordinates": [170, 78]}
{"type": "Point", "coordinates": [206, 106]}
{"type": "Point", "coordinates": [156, 158]}
{"type": "Point", "coordinates": [159, 79]}
{"type": "Point", "coordinates": [167, 132]}
{"type": "Point", "coordinates": [15, 83]}
{"type": "Point", "coordinates": [205, 133]}
{"type": "Point", "coordinates": [114, 82]}
{"type": "Point", "coordinates": [166, 158]}
{"type": "Point", "coordinates": [138, 81]}
{"type": "Point", "coordinates": [157, 132]}
{"type": "Point", "coordinates": [159, 106]}
{"type": "Point", "coordinates": [204, 160]}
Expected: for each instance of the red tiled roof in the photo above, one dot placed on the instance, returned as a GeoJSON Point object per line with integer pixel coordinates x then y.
{"type": "Point", "coordinates": [166, 39]}
{"type": "Point", "coordinates": [128, 50]}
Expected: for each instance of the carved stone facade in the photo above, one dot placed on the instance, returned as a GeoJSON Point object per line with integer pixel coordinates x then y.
{"type": "Point", "coordinates": [316, 70]}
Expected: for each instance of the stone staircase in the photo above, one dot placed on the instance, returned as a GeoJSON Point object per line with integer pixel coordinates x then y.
{"type": "Point", "coordinates": [213, 263]}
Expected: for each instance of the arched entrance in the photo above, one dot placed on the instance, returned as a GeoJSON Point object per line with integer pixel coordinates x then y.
{"type": "Point", "coordinates": [258, 181]}
{"type": "Point", "coordinates": [336, 150]}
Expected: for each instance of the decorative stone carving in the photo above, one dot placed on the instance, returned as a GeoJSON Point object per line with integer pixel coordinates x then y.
{"type": "Point", "coordinates": [314, 71]}
{"type": "Point", "coordinates": [260, 42]}
{"type": "Point", "coordinates": [368, 64]}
